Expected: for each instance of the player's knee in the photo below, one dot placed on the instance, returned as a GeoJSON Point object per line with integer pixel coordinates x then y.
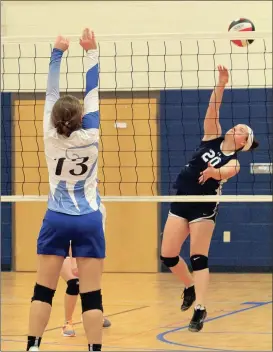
{"type": "Point", "coordinates": [73, 287]}
{"type": "Point", "coordinates": [170, 261]}
{"type": "Point", "coordinates": [91, 301]}
{"type": "Point", "coordinates": [43, 294]}
{"type": "Point", "coordinates": [199, 262]}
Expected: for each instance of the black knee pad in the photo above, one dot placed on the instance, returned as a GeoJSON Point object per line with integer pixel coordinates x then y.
{"type": "Point", "coordinates": [91, 300]}
{"type": "Point", "coordinates": [73, 287]}
{"type": "Point", "coordinates": [170, 262]}
{"type": "Point", "coordinates": [101, 304]}
{"type": "Point", "coordinates": [199, 262]}
{"type": "Point", "coordinates": [43, 294]}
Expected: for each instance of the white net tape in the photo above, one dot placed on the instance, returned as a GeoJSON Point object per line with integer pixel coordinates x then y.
{"type": "Point", "coordinates": [149, 36]}
{"type": "Point", "coordinates": [159, 199]}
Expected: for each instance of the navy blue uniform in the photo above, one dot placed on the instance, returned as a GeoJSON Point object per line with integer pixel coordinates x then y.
{"type": "Point", "coordinates": [187, 181]}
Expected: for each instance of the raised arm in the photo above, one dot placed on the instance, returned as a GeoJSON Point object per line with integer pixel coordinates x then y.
{"type": "Point", "coordinates": [52, 90]}
{"type": "Point", "coordinates": [91, 100]}
{"type": "Point", "coordinates": [212, 127]}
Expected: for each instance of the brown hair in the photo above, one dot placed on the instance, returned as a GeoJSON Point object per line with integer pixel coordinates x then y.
{"type": "Point", "coordinates": [67, 115]}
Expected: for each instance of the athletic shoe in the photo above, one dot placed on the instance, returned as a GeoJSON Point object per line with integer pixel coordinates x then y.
{"type": "Point", "coordinates": [34, 348]}
{"type": "Point", "coordinates": [188, 297]}
{"type": "Point", "coordinates": [68, 330]}
{"type": "Point", "coordinates": [198, 319]}
{"type": "Point", "coordinates": [106, 323]}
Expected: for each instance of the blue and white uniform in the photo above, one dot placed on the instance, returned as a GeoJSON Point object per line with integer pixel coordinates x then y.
{"type": "Point", "coordinates": [74, 202]}
{"type": "Point", "coordinates": [187, 182]}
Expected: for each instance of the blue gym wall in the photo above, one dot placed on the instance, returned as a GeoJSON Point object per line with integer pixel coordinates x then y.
{"type": "Point", "coordinates": [6, 178]}
{"type": "Point", "coordinates": [250, 224]}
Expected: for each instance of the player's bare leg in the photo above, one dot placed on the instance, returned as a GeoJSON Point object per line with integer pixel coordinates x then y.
{"type": "Point", "coordinates": [175, 233]}
{"type": "Point", "coordinates": [69, 273]}
{"type": "Point", "coordinates": [201, 234]}
{"type": "Point", "coordinates": [71, 296]}
{"type": "Point", "coordinates": [49, 267]}
{"type": "Point", "coordinates": [90, 272]}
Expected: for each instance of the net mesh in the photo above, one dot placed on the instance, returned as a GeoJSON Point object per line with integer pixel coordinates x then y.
{"type": "Point", "coordinates": [153, 99]}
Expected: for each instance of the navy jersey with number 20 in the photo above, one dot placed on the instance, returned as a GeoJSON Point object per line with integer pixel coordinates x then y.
{"type": "Point", "coordinates": [208, 151]}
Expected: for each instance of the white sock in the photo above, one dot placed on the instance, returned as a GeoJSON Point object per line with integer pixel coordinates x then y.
{"type": "Point", "coordinates": [200, 307]}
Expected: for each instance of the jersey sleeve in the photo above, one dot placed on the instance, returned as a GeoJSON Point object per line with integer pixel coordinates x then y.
{"type": "Point", "coordinates": [91, 99]}
{"type": "Point", "coordinates": [52, 90]}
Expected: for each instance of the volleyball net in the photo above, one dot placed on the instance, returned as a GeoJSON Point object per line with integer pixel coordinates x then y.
{"type": "Point", "coordinates": [154, 92]}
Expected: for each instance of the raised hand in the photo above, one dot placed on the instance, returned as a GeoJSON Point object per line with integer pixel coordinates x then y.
{"type": "Point", "coordinates": [209, 172]}
{"type": "Point", "coordinates": [88, 40]}
{"type": "Point", "coordinates": [61, 43]}
{"type": "Point", "coordinates": [223, 75]}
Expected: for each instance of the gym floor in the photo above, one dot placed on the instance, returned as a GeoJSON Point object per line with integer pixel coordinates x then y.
{"type": "Point", "coordinates": [144, 310]}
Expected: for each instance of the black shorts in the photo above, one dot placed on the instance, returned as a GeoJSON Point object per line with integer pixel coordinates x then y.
{"type": "Point", "coordinates": [194, 212]}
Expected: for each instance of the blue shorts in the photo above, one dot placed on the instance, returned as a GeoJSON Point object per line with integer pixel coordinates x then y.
{"type": "Point", "coordinates": [85, 232]}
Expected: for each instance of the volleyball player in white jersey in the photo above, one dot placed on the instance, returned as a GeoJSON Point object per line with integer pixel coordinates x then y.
{"type": "Point", "coordinates": [69, 274]}
{"type": "Point", "coordinates": [71, 138]}
{"type": "Point", "coordinates": [213, 162]}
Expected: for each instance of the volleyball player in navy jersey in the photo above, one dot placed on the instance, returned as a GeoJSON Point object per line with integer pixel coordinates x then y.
{"type": "Point", "coordinates": [214, 162]}
{"type": "Point", "coordinates": [71, 138]}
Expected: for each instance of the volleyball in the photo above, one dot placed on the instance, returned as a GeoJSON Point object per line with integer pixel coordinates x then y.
{"type": "Point", "coordinates": [242, 25]}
